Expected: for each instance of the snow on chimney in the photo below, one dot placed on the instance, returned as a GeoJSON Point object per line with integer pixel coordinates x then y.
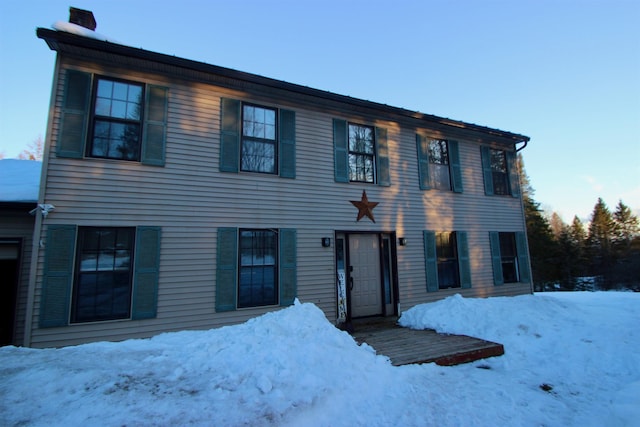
{"type": "Point", "coordinates": [81, 17]}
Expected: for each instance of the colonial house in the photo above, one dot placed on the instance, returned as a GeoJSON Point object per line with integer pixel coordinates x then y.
{"type": "Point", "coordinates": [191, 196]}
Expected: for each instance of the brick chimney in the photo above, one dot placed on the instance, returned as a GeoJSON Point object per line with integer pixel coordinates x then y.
{"type": "Point", "coordinates": [81, 17]}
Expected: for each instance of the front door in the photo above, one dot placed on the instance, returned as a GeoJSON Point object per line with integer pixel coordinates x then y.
{"type": "Point", "coordinates": [366, 288]}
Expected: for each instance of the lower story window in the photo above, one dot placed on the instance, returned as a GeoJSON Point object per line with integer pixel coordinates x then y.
{"type": "Point", "coordinates": [257, 284]}
{"type": "Point", "coordinates": [509, 257]}
{"type": "Point", "coordinates": [446, 249]}
{"type": "Point", "coordinates": [102, 287]}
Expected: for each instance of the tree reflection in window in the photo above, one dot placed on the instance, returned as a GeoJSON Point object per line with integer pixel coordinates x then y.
{"type": "Point", "coordinates": [258, 139]}
{"type": "Point", "coordinates": [499, 172]}
{"type": "Point", "coordinates": [117, 120]}
{"type": "Point", "coordinates": [439, 164]}
{"type": "Point", "coordinates": [361, 153]}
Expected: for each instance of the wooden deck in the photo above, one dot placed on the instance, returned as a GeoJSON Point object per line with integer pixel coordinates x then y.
{"type": "Point", "coordinates": [406, 346]}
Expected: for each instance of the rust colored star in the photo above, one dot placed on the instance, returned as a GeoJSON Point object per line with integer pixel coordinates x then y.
{"type": "Point", "coordinates": [365, 207]}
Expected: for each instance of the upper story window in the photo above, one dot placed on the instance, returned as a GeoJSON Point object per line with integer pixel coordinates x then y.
{"type": "Point", "coordinates": [117, 120]}
{"type": "Point", "coordinates": [255, 138]}
{"type": "Point", "coordinates": [439, 164]}
{"type": "Point", "coordinates": [362, 157]}
{"type": "Point", "coordinates": [111, 118]}
{"type": "Point", "coordinates": [360, 153]}
{"type": "Point", "coordinates": [499, 173]}
{"type": "Point", "coordinates": [259, 142]}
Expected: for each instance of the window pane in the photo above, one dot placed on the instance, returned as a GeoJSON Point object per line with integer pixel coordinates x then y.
{"type": "Point", "coordinates": [509, 257]}
{"type": "Point", "coordinates": [116, 140]}
{"type": "Point", "coordinates": [103, 107]}
{"type": "Point", "coordinates": [118, 100]}
{"type": "Point", "coordinates": [258, 156]}
{"type": "Point", "coordinates": [498, 161]}
{"type": "Point", "coordinates": [438, 152]}
{"type": "Point", "coordinates": [499, 172]}
{"type": "Point", "coordinates": [446, 251]}
{"type": "Point", "coordinates": [361, 139]}
{"type": "Point", "coordinates": [259, 122]}
{"type": "Point", "coordinates": [440, 177]}
{"type": "Point", "coordinates": [105, 89]}
{"type": "Point", "coordinates": [257, 283]}
{"type": "Point", "coordinates": [120, 91]}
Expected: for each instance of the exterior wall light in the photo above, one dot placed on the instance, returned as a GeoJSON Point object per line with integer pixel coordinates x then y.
{"type": "Point", "coordinates": [402, 241]}
{"type": "Point", "coordinates": [326, 242]}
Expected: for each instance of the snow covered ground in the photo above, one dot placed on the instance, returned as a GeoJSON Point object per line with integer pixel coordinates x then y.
{"type": "Point", "coordinates": [572, 359]}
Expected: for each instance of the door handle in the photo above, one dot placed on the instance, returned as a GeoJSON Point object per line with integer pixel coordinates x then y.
{"type": "Point", "coordinates": [350, 283]}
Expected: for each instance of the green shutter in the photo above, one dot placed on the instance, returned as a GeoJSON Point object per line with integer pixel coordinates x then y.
{"type": "Point", "coordinates": [382, 161]}
{"type": "Point", "coordinates": [431, 260]}
{"type": "Point", "coordinates": [422, 145]}
{"type": "Point", "coordinates": [288, 266]}
{"type": "Point", "coordinates": [496, 258]}
{"type": "Point", "coordinates": [58, 275]}
{"type": "Point", "coordinates": [486, 170]}
{"type": "Point", "coordinates": [454, 164]}
{"type": "Point", "coordinates": [523, 257]}
{"type": "Point", "coordinates": [146, 274]}
{"type": "Point", "coordinates": [287, 149]}
{"type": "Point", "coordinates": [514, 176]}
{"type": "Point", "coordinates": [340, 151]}
{"type": "Point", "coordinates": [227, 269]}
{"type": "Point", "coordinates": [229, 135]}
{"type": "Point", "coordinates": [464, 265]}
{"type": "Point", "coordinates": [155, 126]}
{"type": "Point", "coordinates": [75, 113]}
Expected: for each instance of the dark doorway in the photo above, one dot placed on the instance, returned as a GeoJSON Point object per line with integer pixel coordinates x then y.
{"type": "Point", "coordinates": [9, 267]}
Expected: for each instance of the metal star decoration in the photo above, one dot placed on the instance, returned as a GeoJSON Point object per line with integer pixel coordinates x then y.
{"type": "Point", "coordinates": [365, 207]}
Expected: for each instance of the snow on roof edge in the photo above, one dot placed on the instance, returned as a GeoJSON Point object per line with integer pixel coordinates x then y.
{"type": "Point", "coordinates": [79, 30]}
{"type": "Point", "coordinates": [19, 180]}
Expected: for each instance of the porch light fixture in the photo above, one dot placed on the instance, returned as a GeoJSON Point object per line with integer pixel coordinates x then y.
{"type": "Point", "coordinates": [326, 242]}
{"type": "Point", "coordinates": [402, 241]}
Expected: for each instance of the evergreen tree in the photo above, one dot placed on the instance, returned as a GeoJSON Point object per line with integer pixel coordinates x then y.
{"type": "Point", "coordinates": [599, 242]}
{"type": "Point", "coordinates": [626, 244]}
{"type": "Point", "coordinates": [542, 246]}
{"type": "Point", "coordinates": [625, 225]}
{"type": "Point", "coordinates": [557, 225]}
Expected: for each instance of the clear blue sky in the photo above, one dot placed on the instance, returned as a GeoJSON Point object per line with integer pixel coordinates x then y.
{"type": "Point", "coordinates": [565, 73]}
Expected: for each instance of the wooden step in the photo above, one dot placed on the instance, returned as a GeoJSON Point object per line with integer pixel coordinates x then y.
{"type": "Point", "coordinates": [407, 346]}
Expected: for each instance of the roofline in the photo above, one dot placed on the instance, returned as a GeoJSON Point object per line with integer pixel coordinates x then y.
{"type": "Point", "coordinates": [55, 39]}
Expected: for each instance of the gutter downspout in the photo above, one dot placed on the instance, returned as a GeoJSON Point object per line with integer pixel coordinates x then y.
{"type": "Point", "coordinates": [526, 141]}
{"type": "Point", "coordinates": [37, 229]}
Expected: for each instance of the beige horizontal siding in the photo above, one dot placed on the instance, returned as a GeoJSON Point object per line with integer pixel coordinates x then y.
{"type": "Point", "coordinates": [190, 199]}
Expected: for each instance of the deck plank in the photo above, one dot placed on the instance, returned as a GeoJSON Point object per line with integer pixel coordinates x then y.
{"type": "Point", "coordinates": [405, 346]}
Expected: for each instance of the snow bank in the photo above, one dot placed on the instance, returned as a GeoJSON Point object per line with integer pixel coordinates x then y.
{"type": "Point", "coordinates": [19, 180]}
{"type": "Point", "coordinates": [571, 360]}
